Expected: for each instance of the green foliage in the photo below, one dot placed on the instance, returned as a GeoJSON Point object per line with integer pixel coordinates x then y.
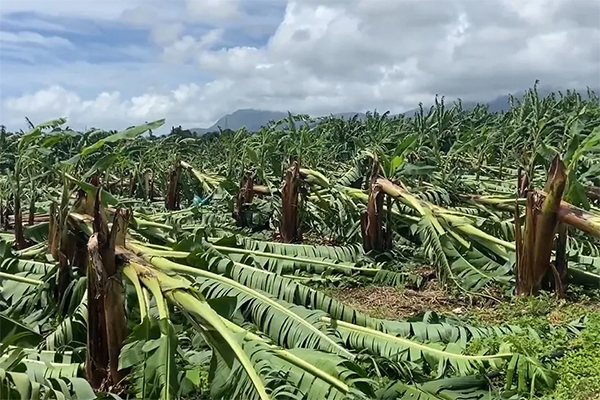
{"type": "Point", "coordinates": [564, 335]}
{"type": "Point", "coordinates": [579, 369]}
{"type": "Point", "coordinates": [226, 312]}
{"type": "Point", "coordinates": [28, 373]}
{"type": "Point", "coordinates": [464, 388]}
{"type": "Point", "coordinates": [126, 134]}
{"type": "Point", "coordinates": [150, 353]}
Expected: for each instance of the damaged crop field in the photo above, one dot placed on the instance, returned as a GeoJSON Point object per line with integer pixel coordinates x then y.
{"type": "Point", "coordinates": [449, 255]}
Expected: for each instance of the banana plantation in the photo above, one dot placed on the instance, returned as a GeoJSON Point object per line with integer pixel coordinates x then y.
{"type": "Point", "coordinates": [141, 266]}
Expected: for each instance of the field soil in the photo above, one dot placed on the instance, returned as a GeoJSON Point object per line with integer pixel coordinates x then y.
{"type": "Point", "coordinates": [394, 303]}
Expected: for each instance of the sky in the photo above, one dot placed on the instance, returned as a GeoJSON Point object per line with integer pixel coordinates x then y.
{"type": "Point", "coordinates": [115, 63]}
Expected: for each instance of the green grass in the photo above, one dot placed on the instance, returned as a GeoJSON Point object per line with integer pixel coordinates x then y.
{"type": "Point", "coordinates": [575, 357]}
{"type": "Point", "coordinates": [579, 370]}
{"type": "Point", "coordinates": [567, 334]}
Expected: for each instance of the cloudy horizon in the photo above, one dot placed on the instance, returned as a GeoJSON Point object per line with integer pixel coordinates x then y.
{"type": "Point", "coordinates": [112, 64]}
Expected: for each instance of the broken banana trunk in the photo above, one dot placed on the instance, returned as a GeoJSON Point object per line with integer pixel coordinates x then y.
{"type": "Point", "coordinates": [172, 198]}
{"type": "Point", "coordinates": [243, 200]}
{"type": "Point", "coordinates": [20, 242]}
{"type": "Point", "coordinates": [107, 323]}
{"type": "Point", "coordinates": [53, 238]}
{"type": "Point", "coordinates": [374, 233]}
{"type": "Point", "coordinates": [578, 218]}
{"type": "Point", "coordinates": [534, 266]}
{"type": "Point", "coordinates": [290, 216]}
{"type": "Point", "coordinates": [372, 221]}
{"type": "Point", "coordinates": [149, 185]}
{"type": "Point", "coordinates": [31, 216]}
{"type": "Point", "coordinates": [559, 284]}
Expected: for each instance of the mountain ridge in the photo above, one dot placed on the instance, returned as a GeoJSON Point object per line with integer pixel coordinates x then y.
{"type": "Point", "coordinates": [254, 119]}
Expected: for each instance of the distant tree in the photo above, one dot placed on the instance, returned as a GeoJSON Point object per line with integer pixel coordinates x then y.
{"type": "Point", "coordinates": [226, 131]}
{"type": "Point", "coordinates": [210, 135]}
{"type": "Point", "coordinates": [185, 133]}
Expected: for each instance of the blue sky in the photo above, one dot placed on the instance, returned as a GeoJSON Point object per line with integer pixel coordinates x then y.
{"type": "Point", "coordinates": [114, 63]}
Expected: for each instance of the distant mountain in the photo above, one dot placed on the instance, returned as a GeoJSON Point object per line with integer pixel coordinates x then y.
{"type": "Point", "coordinates": [253, 120]}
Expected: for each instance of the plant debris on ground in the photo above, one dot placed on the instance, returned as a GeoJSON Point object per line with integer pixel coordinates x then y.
{"type": "Point", "coordinates": [395, 303]}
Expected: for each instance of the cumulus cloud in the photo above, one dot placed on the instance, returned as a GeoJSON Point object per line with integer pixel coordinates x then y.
{"type": "Point", "coordinates": [186, 48]}
{"type": "Point", "coordinates": [109, 110]}
{"type": "Point", "coordinates": [332, 56]}
{"type": "Point", "coordinates": [392, 53]}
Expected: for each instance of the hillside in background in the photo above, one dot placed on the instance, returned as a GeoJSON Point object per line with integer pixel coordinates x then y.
{"type": "Point", "coordinates": [249, 118]}
{"type": "Point", "coordinates": [253, 119]}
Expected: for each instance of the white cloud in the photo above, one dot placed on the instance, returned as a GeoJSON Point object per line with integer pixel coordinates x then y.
{"type": "Point", "coordinates": [235, 62]}
{"type": "Point", "coordinates": [53, 99]}
{"type": "Point", "coordinates": [166, 33]}
{"type": "Point", "coordinates": [212, 9]}
{"type": "Point", "coordinates": [23, 37]}
{"type": "Point", "coordinates": [110, 110]}
{"type": "Point", "coordinates": [186, 48]}
{"type": "Point", "coordinates": [31, 23]}
{"type": "Point", "coordinates": [103, 9]}
{"type": "Point", "coordinates": [324, 56]}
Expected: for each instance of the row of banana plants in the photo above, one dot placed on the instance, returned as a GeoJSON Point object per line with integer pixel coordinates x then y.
{"type": "Point", "coordinates": [138, 267]}
{"type": "Point", "coordinates": [268, 334]}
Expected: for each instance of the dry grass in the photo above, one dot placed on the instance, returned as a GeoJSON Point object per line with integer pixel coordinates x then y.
{"type": "Point", "coordinates": [392, 303]}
